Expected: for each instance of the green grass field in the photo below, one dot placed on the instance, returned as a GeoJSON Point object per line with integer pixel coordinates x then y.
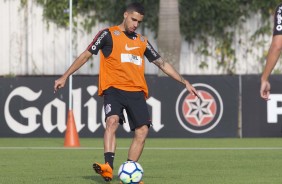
{"type": "Point", "coordinates": [165, 161]}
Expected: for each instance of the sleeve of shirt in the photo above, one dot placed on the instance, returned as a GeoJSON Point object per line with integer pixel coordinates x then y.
{"type": "Point", "coordinates": [150, 53]}
{"type": "Point", "coordinates": [99, 41]}
{"type": "Point", "coordinates": [277, 29]}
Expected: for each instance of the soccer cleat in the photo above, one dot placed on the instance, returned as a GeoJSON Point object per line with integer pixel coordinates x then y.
{"type": "Point", "coordinates": [104, 170]}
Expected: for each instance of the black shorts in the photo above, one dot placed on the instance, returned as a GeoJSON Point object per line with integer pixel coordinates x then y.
{"type": "Point", "coordinates": [134, 103]}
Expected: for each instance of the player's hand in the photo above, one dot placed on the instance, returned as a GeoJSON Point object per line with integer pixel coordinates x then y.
{"type": "Point", "coordinates": [59, 83]}
{"type": "Point", "coordinates": [192, 90]}
{"type": "Point", "coordinates": [265, 90]}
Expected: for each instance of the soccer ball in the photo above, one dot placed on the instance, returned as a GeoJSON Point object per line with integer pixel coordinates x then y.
{"type": "Point", "coordinates": [130, 172]}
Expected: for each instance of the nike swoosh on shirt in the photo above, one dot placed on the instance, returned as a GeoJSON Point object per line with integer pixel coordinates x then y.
{"type": "Point", "coordinates": [130, 48]}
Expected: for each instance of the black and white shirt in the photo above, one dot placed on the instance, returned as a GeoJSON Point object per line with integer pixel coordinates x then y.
{"type": "Point", "coordinates": [103, 41]}
{"type": "Point", "coordinates": [277, 29]}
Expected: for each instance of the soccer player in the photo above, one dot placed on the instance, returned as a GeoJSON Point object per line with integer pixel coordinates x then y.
{"type": "Point", "coordinates": [273, 53]}
{"type": "Point", "coordinates": [122, 82]}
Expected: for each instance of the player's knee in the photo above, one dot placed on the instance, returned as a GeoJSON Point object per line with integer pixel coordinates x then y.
{"type": "Point", "coordinates": [112, 122]}
{"type": "Point", "coordinates": [142, 132]}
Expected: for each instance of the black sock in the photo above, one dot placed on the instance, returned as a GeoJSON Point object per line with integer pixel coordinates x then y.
{"type": "Point", "coordinates": [129, 159]}
{"type": "Point", "coordinates": [109, 157]}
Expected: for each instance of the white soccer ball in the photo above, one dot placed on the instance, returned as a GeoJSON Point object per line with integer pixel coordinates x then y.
{"type": "Point", "coordinates": [130, 172]}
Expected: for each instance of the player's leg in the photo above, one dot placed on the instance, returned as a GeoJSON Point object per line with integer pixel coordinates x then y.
{"type": "Point", "coordinates": [112, 124]}
{"type": "Point", "coordinates": [138, 142]}
{"type": "Point", "coordinates": [113, 114]}
{"type": "Point", "coordinates": [139, 122]}
{"type": "Point", "coordinates": [106, 170]}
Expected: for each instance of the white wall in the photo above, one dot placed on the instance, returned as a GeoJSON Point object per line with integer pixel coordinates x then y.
{"type": "Point", "coordinates": [30, 47]}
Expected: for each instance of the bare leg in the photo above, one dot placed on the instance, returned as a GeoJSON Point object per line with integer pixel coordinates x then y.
{"type": "Point", "coordinates": [106, 170]}
{"type": "Point", "coordinates": [110, 133]}
{"type": "Point", "coordinates": [138, 143]}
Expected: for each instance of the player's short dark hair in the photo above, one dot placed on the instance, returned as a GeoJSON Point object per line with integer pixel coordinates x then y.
{"type": "Point", "coordinates": [137, 7]}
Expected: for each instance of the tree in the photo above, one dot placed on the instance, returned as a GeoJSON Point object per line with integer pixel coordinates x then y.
{"type": "Point", "coordinates": [169, 38]}
{"type": "Point", "coordinates": [199, 20]}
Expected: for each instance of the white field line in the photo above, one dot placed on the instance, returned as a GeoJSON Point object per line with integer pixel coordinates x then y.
{"type": "Point", "coordinates": [146, 148]}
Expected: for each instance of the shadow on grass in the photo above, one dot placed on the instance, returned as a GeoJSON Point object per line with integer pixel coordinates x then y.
{"type": "Point", "coordinates": [98, 179]}
{"type": "Point", "coordinates": [94, 178]}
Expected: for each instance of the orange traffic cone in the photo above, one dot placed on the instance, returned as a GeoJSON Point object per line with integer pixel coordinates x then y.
{"type": "Point", "coordinates": [71, 135]}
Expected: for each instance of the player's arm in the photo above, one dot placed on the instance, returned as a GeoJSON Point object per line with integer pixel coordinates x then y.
{"type": "Point", "coordinates": [273, 54]}
{"type": "Point", "coordinates": [83, 58]}
{"type": "Point", "coordinates": [101, 39]}
{"type": "Point", "coordinates": [272, 57]}
{"type": "Point", "coordinates": [170, 71]}
{"type": "Point", "coordinates": [153, 56]}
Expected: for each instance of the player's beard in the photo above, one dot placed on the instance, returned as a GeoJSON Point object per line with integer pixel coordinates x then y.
{"type": "Point", "coordinates": [128, 29]}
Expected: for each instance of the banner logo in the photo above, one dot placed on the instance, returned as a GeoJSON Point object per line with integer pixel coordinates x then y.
{"type": "Point", "coordinates": [25, 112]}
{"type": "Point", "coordinates": [199, 115]}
